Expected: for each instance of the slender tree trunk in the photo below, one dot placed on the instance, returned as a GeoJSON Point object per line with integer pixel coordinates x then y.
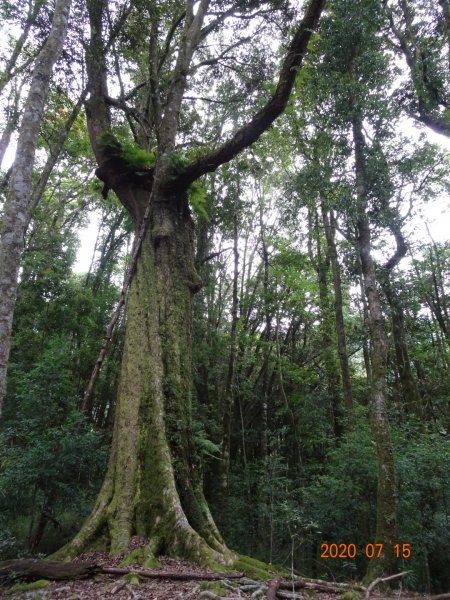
{"type": "Point", "coordinates": [36, 537]}
{"type": "Point", "coordinates": [38, 190]}
{"type": "Point", "coordinates": [265, 337]}
{"type": "Point", "coordinates": [409, 390]}
{"type": "Point", "coordinates": [365, 318]}
{"type": "Point", "coordinates": [11, 69]}
{"type": "Point", "coordinates": [333, 384]}
{"type": "Point", "coordinates": [230, 385]}
{"type": "Point", "coordinates": [17, 209]}
{"type": "Point", "coordinates": [386, 528]}
{"type": "Point", "coordinates": [12, 118]}
{"type": "Point", "coordinates": [330, 229]}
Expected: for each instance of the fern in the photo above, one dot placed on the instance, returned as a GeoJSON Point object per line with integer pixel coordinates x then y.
{"type": "Point", "coordinates": [197, 199]}
{"type": "Point", "coordinates": [137, 158]}
{"type": "Point", "coordinates": [206, 446]}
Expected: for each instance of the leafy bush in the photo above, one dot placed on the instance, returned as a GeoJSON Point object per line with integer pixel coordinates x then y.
{"type": "Point", "coordinates": [50, 458]}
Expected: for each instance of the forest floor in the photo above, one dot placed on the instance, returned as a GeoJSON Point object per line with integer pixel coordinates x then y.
{"type": "Point", "coordinates": [114, 587]}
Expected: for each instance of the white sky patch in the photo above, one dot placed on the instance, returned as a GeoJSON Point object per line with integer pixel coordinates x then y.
{"type": "Point", "coordinates": [87, 237]}
{"type": "Point", "coordinates": [435, 215]}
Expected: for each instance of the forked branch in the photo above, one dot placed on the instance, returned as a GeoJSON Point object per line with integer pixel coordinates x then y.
{"type": "Point", "coordinates": [263, 119]}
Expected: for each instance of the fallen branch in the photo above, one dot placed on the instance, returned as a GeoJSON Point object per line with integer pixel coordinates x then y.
{"type": "Point", "coordinates": [31, 570]}
{"type": "Point", "coordinates": [170, 574]}
{"type": "Point", "coordinates": [212, 596]}
{"type": "Point", "coordinates": [378, 580]}
{"type": "Point", "coordinates": [320, 586]}
{"type": "Point", "coordinates": [288, 595]}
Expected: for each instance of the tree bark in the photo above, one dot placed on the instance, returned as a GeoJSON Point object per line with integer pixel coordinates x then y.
{"type": "Point", "coordinates": [152, 487]}
{"type": "Point", "coordinates": [17, 208]}
{"type": "Point", "coordinates": [386, 524]}
{"type": "Point", "coordinates": [329, 224]}
{"type": "Point", "coordinates": [409, 389]}
{"type": "Point", "coordinates": [333, 384]}
{"type": "Point", "coordinates": [31, 569]}
{"type": "Point", "coordinates": [230, 385]}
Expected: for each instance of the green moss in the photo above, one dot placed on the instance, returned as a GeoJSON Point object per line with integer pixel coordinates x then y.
{"type": "Point", "coordinates": [28, 587]}
{"type": "Point", "coordinates": [134, 557]}
{"type": "Point", "coordinates": [109, 141]}
{"type": "Point", "coordinates": [350, 596]}
{"type": "Point", "coordinates": [150, 562]}
{"type": "Point", "coordinates": [213, 586]}
{"type": "Point", "coordinates": [254, 568]}
{"type": "Point", "coordinates": [132, 578]}
{"type": "Point", "coordinates": [136, 158]}
{"type": "Point", "coordinates": [140, 556]}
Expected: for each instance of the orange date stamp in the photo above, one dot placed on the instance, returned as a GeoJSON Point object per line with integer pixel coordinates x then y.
{"type": "Point", "coordinates": [370, 550]}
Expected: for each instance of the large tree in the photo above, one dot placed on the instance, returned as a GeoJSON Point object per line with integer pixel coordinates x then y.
{"type": "Point", "coordinates": [152, 487]}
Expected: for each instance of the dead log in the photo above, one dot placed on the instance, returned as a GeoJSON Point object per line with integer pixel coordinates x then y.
{"type": "Point", "coordinates": [170, 574]}
{"type": "Point", "coordinates": [33, 569]}
{"type": "Point", "coordinates": [320, 585]}
{"type": "Point", "coordinates": [272, 589]}
{"type": "Point", "coordinates": [30, 570]}
{"type": "Point", "coordinates": [288, 595]}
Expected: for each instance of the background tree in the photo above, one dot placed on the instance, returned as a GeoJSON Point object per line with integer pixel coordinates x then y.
{"type": "Point", "coordinates": [17, 206]}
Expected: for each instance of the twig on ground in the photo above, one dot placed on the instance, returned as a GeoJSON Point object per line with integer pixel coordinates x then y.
{"type": "Point", "coordinates": [213, 596]}
{"type": "Point", "coordinates": [379, 580]}
{"type": "Point", "coordinates": [118, 587]}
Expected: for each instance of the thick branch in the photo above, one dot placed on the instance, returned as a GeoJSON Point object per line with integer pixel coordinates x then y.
{"type": "Point", "coordinates": [263, 119]}
{"type": "Point", "coordinates": [188, 44]}
{"type": "Point", "coordinates": [401, 249]}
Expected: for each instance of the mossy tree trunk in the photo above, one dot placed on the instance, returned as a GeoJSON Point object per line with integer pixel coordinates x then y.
{"type": "Point", "coordinates": [152, 487]}
{"type": "Point", "coordinates": [386, 522]}
{"type": "Point", "coordinates": [410, 394]}
{"type": "Point", "coordinates": [330, 228]}
{"type": "Point", "coordinates": [322, 261]}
